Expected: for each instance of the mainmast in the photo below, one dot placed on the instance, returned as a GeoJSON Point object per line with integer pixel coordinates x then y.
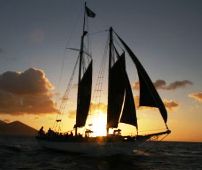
{"type": "Point", "coordinates": [121, 106]}
{"type": "Point", "coordinates": [110, 59]}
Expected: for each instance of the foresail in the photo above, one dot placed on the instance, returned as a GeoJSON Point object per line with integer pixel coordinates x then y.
{"type": "Point", "coordinates": [116, 92]}
{"type": "Point", "coordinates": [84, 97]}
{"type": "Point", "coordinates": [129, 113]}
{"type": "Point", "coordinates": [148, 94]}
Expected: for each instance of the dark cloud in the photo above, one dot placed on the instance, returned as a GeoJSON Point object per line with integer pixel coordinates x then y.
{"type": "Point", "coordinates": [197, 96]}
{"type": "Point", "coordinates": [161, 84]}
{"type": "Point", "coordinates": [178, 84]}
{"type": "Point", "coordinates": [26, 92]}
{"type": "Point", "coordinates": [1, 50]}
{"type": "Point", "coordinates": [32, 81]}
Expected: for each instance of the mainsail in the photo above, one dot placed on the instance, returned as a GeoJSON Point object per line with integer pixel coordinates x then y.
{"type": "Point", "coordinates": [84, 97]}
{"type": "Point", "coordinates": [129, 113]}
{"type": "Point", "coordinates": [116, 92]}
{"type": "Point", "coordinates": [119, 110]}
{"type": "Point", "coordinates": [119, 87]}
{"type": "Point", "coordinates": [148, 94]}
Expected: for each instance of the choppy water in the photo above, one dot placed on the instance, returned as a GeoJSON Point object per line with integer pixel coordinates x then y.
{"type": "Point", "coordinates": [24, 153]}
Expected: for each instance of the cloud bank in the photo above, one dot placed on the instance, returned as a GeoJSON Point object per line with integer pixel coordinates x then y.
{"type": "Point", "coordinates": [25, 92]}
{"type": "Point", "coordinates": [161, 84]}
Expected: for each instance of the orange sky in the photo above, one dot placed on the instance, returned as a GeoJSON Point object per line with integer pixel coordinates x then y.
{"type": "Point", "coordinates": [183, 129]}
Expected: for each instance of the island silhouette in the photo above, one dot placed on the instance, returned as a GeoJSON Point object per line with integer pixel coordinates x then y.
{"type": "Point", "coordinates": [16, 128]}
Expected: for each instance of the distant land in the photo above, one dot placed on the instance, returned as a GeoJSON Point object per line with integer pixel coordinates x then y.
{"type": "Point", "coordinates": [16, 128]}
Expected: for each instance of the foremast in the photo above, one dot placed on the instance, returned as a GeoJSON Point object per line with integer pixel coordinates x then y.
{"type": "Point", "coordinates": [85, 79]}
{"type": "Point", "coordinates": [80, 59]}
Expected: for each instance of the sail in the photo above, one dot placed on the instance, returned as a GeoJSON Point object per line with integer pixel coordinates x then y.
{"type": "Point", "coordinates": [116, 92]}
{"type": "Point", "coordinates": [84, 97]}
{"type": "Point", "coordinates": [129, 113]}
{"type": "Point", "coordinates": [148, 94]}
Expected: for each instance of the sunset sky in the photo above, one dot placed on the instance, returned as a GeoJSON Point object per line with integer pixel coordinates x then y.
{"type": "Point", "coordinates": [35, 65]}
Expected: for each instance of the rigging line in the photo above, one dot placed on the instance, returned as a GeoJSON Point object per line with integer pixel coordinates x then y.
{"type": "Point", "coordinates": [66, 94]}
{"type": "Point", "coordinates": [62, 105]}
{"type": "Point", "coordinates": [119, 45]}
{"type": "Point", "coordinates": [89, 49]}
{"type": "Point", "coordinates": [163, 137]}
{"type": "Point", "coordinates": [75, 49]}
{"type": "Point", "coordinates": [101, 72]}
{"type": "Point", "coordinates": [99, 81]}
{"type": "Point", "coordinates": [152, 139]}
{"type": "Point", "coordinates": [69, 37]}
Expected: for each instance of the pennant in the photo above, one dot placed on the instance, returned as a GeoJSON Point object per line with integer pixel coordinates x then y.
{"type": "Point", "coordinates": [90, 13]}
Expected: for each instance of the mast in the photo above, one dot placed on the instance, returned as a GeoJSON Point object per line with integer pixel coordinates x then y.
{"type": "Point", "coordinates": [81, 46]}
{"type": "Point", "coordinates": [81, 56]}
{"type": "Point", "coordinates": [110, 58]}
{"type": "Point", "coordinates": [84, 78]}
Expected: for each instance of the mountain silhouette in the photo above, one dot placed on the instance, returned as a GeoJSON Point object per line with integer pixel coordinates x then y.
{"type": "Point", "coordinates": [2, 122]}
{"type": "Point", "coordinates": [16, 128]}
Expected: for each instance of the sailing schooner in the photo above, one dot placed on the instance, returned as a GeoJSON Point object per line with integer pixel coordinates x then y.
{"type": "Point", "coordinates": [120, 108]}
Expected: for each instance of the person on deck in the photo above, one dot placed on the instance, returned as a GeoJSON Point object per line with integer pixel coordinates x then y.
{"type": "Point", "coordinates": [41, 132]}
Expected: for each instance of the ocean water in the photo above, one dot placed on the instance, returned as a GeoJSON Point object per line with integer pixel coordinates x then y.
{"type": "Point", "coordinates": [24, 153]}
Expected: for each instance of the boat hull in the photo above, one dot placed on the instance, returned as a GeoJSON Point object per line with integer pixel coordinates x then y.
{"type": "Point", "coordinates": [108, 145]}
{"type": "Point", "coordinates": [91, 148]}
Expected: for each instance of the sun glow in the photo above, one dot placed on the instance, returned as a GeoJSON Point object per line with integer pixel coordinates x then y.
{"type": "Point", "coordinates": [99, 124]}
